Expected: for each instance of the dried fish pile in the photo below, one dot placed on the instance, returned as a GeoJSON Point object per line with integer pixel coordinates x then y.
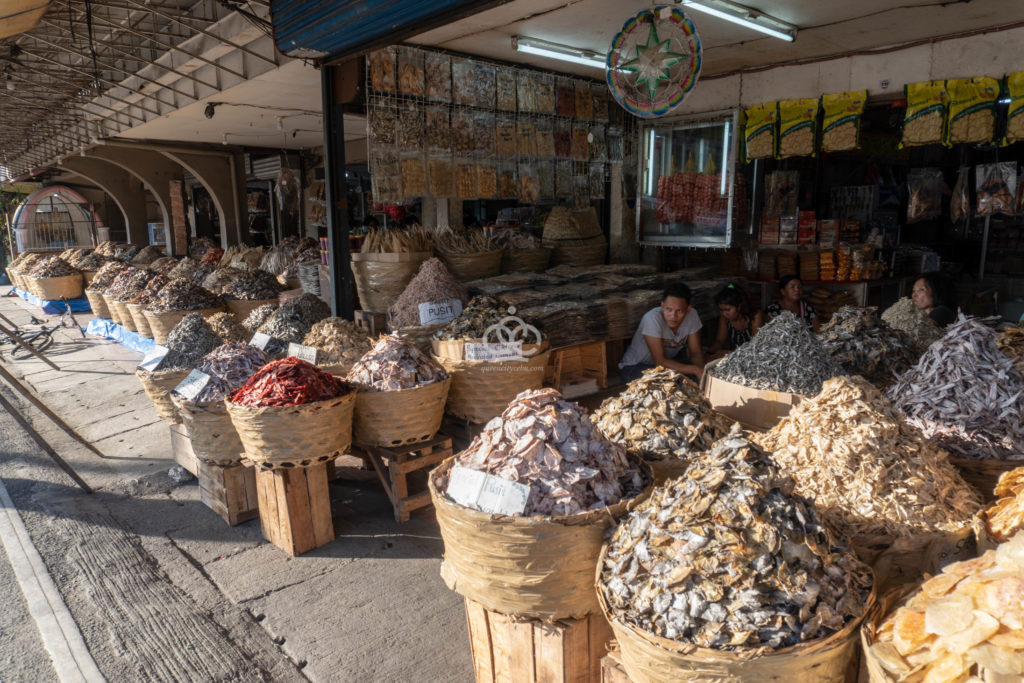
{"type": "Point", "coordinates": [202, 271]}
{"type": "Point", "coordinates": [106, 275]}
{"type": "Point", "coordinates": [182, 294]}
{"type": "Point", "coordinates": [258, 316]}
{"type": "Point", "coordinates": [966, 395]}
{"type": "Point", "coordinates": [1005, 517]}
{"type": "Point", "coordinates": [514, 239]}
{"type": "Point", "coordinates": [784, 356]}
{"type": "Point", "coordinates": [549, 444]}
{"type": "Point", "coordinates": [74, 256]}
{"type": "Point", "coordinates": [229, 366]}
{"type": "Point", "coordinates": [218, 279]}
{"type": "Point", "coordinates": [1011, 342]}
{"type": "Point", "coordinates": [905, 316]}
{"type": "Point", "coordinates": [190, 340]}
{"type": "Point", "coordinates": [432, 283]}
{"type": "Point", "coordinates": [92, 262]}
{"type": "Point", "coordinates": [184, 268]}
{"type": "Point", "coordinates": [129, 284]}
{"type": "Point", "coordinates": [728, 557]}
{"type": "Point", "coordinates": [52, 266]}
{"type": "Point", "coordinates": [411, 240]}
{"type": "Point", "coordinates": [149, 292]}
{"type": "Point", "coordinates": [227, 328]}
{"type": "Point", "coordinates": [293, 320]}
{"type": "Point", "coordinates": [148, 254]}
{"type": "Point", "coordinates": [972, 614]}
{"type": "Point", "coordinates": [866, 468]}
{"type": "Point", "coordinates": [395, 363]}
{"type": "Point", "coordinates": [248, 259]}
{"type": "Point", "coordinates": [163, 265]}
{"type": "Point", "coordinates": [479, 314]}
{"type": "Point", "coordinates": [864, 345]}
{"type": "Point", "coordinates": [449, 241]}
{"type": "Point", "coordinates": [252, 285]}
{"type": "Point", "coordinates": [340, 341]}
{"type": "Point", "coordinates": [661, 416]}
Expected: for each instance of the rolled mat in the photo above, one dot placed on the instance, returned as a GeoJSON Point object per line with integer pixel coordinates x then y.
{"type": "Point", "coordinates": [398, 418]}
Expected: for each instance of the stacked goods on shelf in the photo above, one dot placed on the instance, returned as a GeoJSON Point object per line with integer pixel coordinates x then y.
{"type": "Point", "coordinates": [809, 267]}
{"type": "Point", "coordinates": [785, 263]}
{"type": "Point", "coordinates": [249, 290]}
{"type": "Point", "coordinates": [827, 266]}
{"type": "Point", "coordinates": [575, 237]}
{"type": "Point", "coordinates": [290, 322]}
{"type": "Point", "coordinates": [53, 278]}
{"type": "Point", "coordinates": [905, 316]}
{"type": "Point", "coordinates": [690, 198]}
{"type": "Point", "coordinates": [766, 265]}
{"type": "Point", "coordinates": [1004, 518]}
{"type": "Point", "coordinates": [339, 343]}
{"type": "Point", "coordinates": [190, 340]}
{"type": "Point", "coordinates": [177, 299]}
{"type": "Point", "coordinates": [468, 254]}
{"type": "Point", "coordinates": [386, 263]}
{"type": "Point", "coordinates": [521, 251]}
{"type": "Point", "coordinates": [433, 284]}
{"type": "Point", "coordinates": [137, 306]}
{"type": "Point", "coordinates": [865, 345]}
{"type": "Point", "coordinates": [826, 302]}
{"type": "Point", "coordinates": [103, 279]}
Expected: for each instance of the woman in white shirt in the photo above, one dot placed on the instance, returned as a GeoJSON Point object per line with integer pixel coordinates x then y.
{"type": "Point", "coordinates": [664, 332]}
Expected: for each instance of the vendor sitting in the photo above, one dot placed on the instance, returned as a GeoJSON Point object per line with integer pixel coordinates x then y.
{"type": "Point", "coordinates": [935, 295]}
{"type": "Point", "coordinates": [738, 320]}
{"type": "Point", "coordinates": [663, 333]}
{"type": "Point", "coordinates": [791, 298]}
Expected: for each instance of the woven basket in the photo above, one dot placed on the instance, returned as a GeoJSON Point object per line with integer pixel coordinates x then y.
{"type": "Point", "coordinates": [482, 390]}
{"type": "Point", "coordinates": [559, 225]}
{"type": "Point", "coordinates": [397, 418]}
{"type": "Point", "coordinates": [88, 276]}
{"type": "Point", "coordinates": [468, 267]}
{"type": "Point", "coordinates": [420, 335]}
{"type": "Point", "coordinates": [294, 436]}
{"type": "Point", "coordinates": [213, 435]}
{"type": "Point", "coordinates": [158, 386]}
{"type": "Point", "coordinates": [898, 561]}
{"type": "Point", "coordinates": [57, 288]}
{"type": "Point", "coordinates": [984, 474]}
{"type": "Point", "coordinates": [136, 311]}
{"type": "Point", "coordinates": [582, 253]}
{"type": "Point", "coordinates": [12, 275]}
{"type": "Point", "coordinates": [122, 312]}
{"type": "Point", "coordinates": [242, 308]}
{"type": "Point", "coordinates": [115, 312]}
{"type": "Point", "coordinates": [161, 324]}
{"type": "Point", "coordinates": [97, 304]}
{"type": "Point", "coordinates": [455, 349]}
{"type": "Point", "coordinates": [525, 260]}
{"type": "Point", "coordinates": [381, 278]}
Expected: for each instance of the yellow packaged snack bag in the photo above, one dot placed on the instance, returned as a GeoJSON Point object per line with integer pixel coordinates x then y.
{"type": "Point", "coordinates": [1015, 112]}
{"type": "Point", "coordinates": [840, 129]}
{"type": "Point", "coordinates": [972, 109]}
{"type": "Point", "coordinates": [924, 123]}
{"type": "Point", "coordinates": [760, 131]}
{"type": "Point", "coordinates": [798, 124]}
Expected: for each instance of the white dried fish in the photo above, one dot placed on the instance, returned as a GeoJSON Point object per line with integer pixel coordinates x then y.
{"type": "Point", "coordinates": [394, 363]}
{"type": "Point", "coordinates": [340, 341]}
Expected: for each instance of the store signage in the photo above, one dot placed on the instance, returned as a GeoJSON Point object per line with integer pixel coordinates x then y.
{"type": "Point", "coordinates": [495, 351]}
{"type": "Point", "coordinates": [439, 312]}
{"type": "Point", "coordinates": [190, 387]}
{"type": "Point", "coordinates": [487, 493]}
{"type": "Point", "coordinates": [306, 353]}
{"type": "Point", "coordinates": [153, 359]}
{"type": "Point", "coordinates": [260, 341]}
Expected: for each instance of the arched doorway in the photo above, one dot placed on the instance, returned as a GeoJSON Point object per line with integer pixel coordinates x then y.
{"type": "Point", "coordinates": [54, 218]}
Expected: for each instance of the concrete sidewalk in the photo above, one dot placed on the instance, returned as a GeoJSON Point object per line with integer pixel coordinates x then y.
{"type": "Point", "coordinates": [370, 606]}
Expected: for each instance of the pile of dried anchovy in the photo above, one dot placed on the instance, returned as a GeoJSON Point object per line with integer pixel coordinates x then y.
{"type": "Point", "coordinates": [190, 340]}
{"type": "Point", "coordinates": [864, 345]}
{"type": "Point", "coordinates": [905, 316]}
{"type": "Point", "coordinates": [549, 444]}
{"type": "Point", "coordinates": [783, 356]}
{"type": "Point", "coordinates": [728, 557]}
{"type": "Point", "coordinates": [866, 467]}
{"type": "Point", "coordinates": [966, 395]}
{"type": "Point", "coordinates": [52, 266]}
{"type": "Point", "coordinates": [148, 254]}
{"type": "Point", "coordinates": [129, 284]}
{"type": "Point", "coordinates": [24, 261]}
{"type": "Point", "coordinates": [431, 284]}
{"type": "Point", "coordinates": [227, 328]}
{"type": "Point", "coordinates": [229, 366]}
{"type": "Point", "coordinates": [164, 265]}
{"type": "Point", "coordinates": [184, 268]}
{"type": "Point", "coordinates": [288, 382]}
{"type": "Point", "coordinates": [1011, 342]}
{"type": "Point", "coordinates": [92, 262]}
{"type": "Point", "coordinates": [293, 320]}
{"type": "Point", "coordinates": [152, 288]}
{"type": "Point", "coordinates": [258, 316]}
{"type": "Point", "coordinates": [252, 285]}
{"type": "Point", "coordinates": [394, 363]}
{"type": "Point", "coordinates": [105, 276]}
{"type": "Point", "coordinates": [661, 416]}
{"type": "Point", "coordinates": [476, 317]}
{"type": "Point", "coordinates": [340, 341]}
{"type": "Point", "coordinates": [182, 294]}
{"type": "Point", "coordinates": [216, 280]}
{"type": "Point", "coordinates": [1005, 517]}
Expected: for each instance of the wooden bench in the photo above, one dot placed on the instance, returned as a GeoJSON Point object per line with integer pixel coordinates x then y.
{"type": "Point", "coordinates": [395, 465]}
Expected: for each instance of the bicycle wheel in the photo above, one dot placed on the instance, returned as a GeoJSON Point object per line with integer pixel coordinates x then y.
{"type": "Point", "coordinates": [39, 341]}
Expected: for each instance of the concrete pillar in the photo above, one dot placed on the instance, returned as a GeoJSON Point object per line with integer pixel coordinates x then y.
{"type": "Point", "coordinates": [224, 178]}
{"type": "Point", "coordinates": [122, 187]}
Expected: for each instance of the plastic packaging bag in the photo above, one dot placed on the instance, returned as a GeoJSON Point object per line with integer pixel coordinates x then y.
{"type": "Point", "coordinates": [505, 82]}
{"type": "Point", "coordinates": [924, 194]}
{"type": "Point", "coordinates": [960, 202]}
{"type": "Point", "coordinates": [545, 94]}
{"type": "Point", "coordinates": [439, 129]}
{"type": "Point", "coordinates": [972, 109]}
{"type": "Point", "coordinates": [760, 131]}
{"type": "Point", "coordinates": [505, 136]}
{"type": "Point", "coordinates": [1015, 112]}
{"type": "Point", "coordinates": [925, 120]}
{"type": "Point", "coordinates": [841, 124]}
{"type": "Point", "coordinates": [438, 68]}
{"type": "Point", "coordinates": [382, 70]}
{"type": "Point", "coordinates": [411, 78]}
{"type": "Point", "coordinates": [798, 122]}
{"type": "Point", "coordinates": [529, 185]}
{"type": "Point", "coordinates": [441, 175]}
{"type": "Point", "coordinates": [996, 185]}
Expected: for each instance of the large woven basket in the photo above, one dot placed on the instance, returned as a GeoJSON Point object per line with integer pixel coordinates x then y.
{"type": "Point", "coordinates": [214, 438]}
{"type": "Point", "coordinates": [242, 308]}
{"type": "Point", "coordinates": [294, 436]}
{"type": "Point", "coordinates": [122, 312]}
{"type": "Point", "coordinates": [560, 225]}
{"type": "Point", "coordinates": [525, 260]}
{"type": "Point", "coordinates": [397, 418]}
{"type": "Point", "coordinates": [984, 474]}
{"type": "Point", "coordinates": [161, 324]}
{"type": "Point", "coordinates": [482, 390]}
{"type": "Point", "coordinates": [115, 312]}
{"type": "Point", "coordinates": [158, 386]}
{"type": "Point", "coordinates": [98, 304]}
{"type": "Point", "coordinates": [13, 276]}
{"type": "Point", "coordinates": [467, 267]}
{"type": "Point", "coordinates": [88, 276]}
{"type": "Point", "coordinates": [381, 278]}
{"type": "Point", "coordinates": [136, 311]}
{"type": "Point", "coordinates": [57, 288]}
{"type": "Point", "coordinates": [898, 561]}
{"type": "Point", "coordinates": [590, 252]}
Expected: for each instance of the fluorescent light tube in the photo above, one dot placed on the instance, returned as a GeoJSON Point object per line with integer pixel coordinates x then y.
{"type": "Point", "coordinates": [749, 18]}
{"type": "Point", "coordinates": [543, 48]}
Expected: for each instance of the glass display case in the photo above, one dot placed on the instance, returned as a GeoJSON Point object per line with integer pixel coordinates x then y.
{"type": "Point", "coordinates": [687, 184]}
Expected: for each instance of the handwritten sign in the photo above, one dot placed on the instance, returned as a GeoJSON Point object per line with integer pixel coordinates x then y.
{"type": "Point", "coordinates": [487, 493]}
{"type": "Point", "coordinates": [153, 359]}
{"type": "Point", "coordinates": [260, 341]}
{"type": "Point", "coordinates": [438, 312]}
{"type": "Point", "coordinates": [190, 387]}
{"type": "Point", "coordinates": [306, 353]}
{"type": "Point", "coordinates": [495, 351]}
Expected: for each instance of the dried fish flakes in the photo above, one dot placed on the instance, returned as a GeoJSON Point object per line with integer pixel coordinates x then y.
{"type": "Point", "coordinates": [229, 366]}
{"type": "Point", "coordinates": [258, 316]}
{"type": "Point", "coordinates": [1011, 342]}
{"type": "Point", "coordinates": [549, 444]}
{"type": "Point", "coordinates": [1005, 517]}
{"type": "Point", "coordinates": [661, 416]}
{"type": "Point", "coordinates": [340, 341]}
{"type": "Point", "coordinates": [293, 320]}
{"type": "Point", "coordinates": [252, 285]}
{"type": "Point", "coordinates": [106, 275]}
{"type": "Point", "coordinates": [227, 328]}
{"type": "Point", "coordinates": [967, 621]}
{"type": "Point", "coordinates": [905, 316]}
{"type": "Point", "coordinates": [863, 344]}
{"type": "Point", "coordinates": [190, 340]}
{"type": "Point", "coordinates": [394, 363]}
{"type": "Point", "coordinates": [52, 266]}
{"type": "Point", "coordinates": [865, 467]}
{"type": "Point", "coordinates": [729, 558]}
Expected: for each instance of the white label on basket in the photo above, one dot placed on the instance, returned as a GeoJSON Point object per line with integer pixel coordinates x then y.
{"type": "Point", "coordinates": [153, 359]}
{"type": "Point", "coordinates": [438, 312]}
{"type": "Point", "coordinates": [306, 353]}
{"type": "Point", "coordinates": [487, 493]}
{"type": "Point", "coordinates": [495, 351]}
{"type": "Point", "coordinates": [190, 387]}
{"type": "Point", "coordinates": [260, 341]}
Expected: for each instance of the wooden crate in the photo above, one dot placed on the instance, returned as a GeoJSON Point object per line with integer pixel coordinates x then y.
{"type": "Point", "coordinates": [395, 465]}
{"type": "Point", "coordinates": [373, 323]}
{"type": "Point", "coordinates": [461, 430]}
{"type": "Point", "coordinates": [229, 491]}
{"type": "Point", "coordinates": [181, 449]}
{"type": "Point", "coordinates": [507, 648]}
{"type": "Point", "coordinates": [612, 670]}
{"type": "Point", "coordinates": [582, 362]}
{"type": "Point", "coordinates": [295, 508]}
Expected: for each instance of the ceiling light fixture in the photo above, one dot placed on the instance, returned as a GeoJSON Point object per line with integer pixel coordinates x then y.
{"type": "Point", "coordinates": [744, 16]}
{"type": "Point", "coordinates": [565, 53]}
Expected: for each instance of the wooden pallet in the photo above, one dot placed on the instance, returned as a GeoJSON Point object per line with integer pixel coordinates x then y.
{"type": "Point", "coordinates": [612, 670]}
{"type": "Point", "coordinates": [229, 491]}
{"type": "Point", "coordinates": [394, 466]}
{"type": "Point", "coordinates": [295, 508]}
{"type": "Point", "coordinates": [374, 323]}
{"type": "Point", "coordinates": [508, 648]}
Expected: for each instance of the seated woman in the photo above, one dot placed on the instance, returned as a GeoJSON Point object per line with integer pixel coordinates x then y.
{"type": "Point", "coordinates": [791, 298]}
{"type": "Point", "coordinates": [664, 332]}
{"type": "Point", "coordinates": [935, 295]}
{"type": "Point", "coordinates": [738, 320]}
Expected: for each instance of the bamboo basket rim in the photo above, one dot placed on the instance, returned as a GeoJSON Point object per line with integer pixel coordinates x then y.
{"type": "Point", "coordinates": [284, 410]}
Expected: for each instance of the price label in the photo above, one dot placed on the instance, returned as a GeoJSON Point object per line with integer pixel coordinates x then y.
{"type": "Point", "coordinates": [260, 341]}
{"type": "Point", "coordinates": [153, 359]}
{"type": "Point", "coordinates": [438, 312]}
{"type": "Point", "coordinates": [190, 387]}
{"type": "Point", "coordinates": [495, 351]}
{"type": "Point", "coordinates": [306, 353]}
{"type": "Point", "coordinates": [487, 493]}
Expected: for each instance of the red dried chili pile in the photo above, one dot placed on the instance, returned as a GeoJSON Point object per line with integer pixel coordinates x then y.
{"type": "Point", "coordinates": [213, 256]}
{"type": "Point", "coordinates": [288, 382]}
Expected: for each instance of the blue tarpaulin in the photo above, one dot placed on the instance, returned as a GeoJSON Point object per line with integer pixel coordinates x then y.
{"type": "Point", "coordinates": [54, 306]}
{"type": "Point", "coordinates": [108, 329]}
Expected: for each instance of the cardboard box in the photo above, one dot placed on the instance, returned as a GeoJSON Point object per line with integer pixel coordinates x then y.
{"type": "Point", "coordinates": [752, 408]}
{"type": "Point", "coordinates": [807, 228]}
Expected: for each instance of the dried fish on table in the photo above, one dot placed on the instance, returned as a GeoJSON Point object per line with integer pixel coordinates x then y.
{"type": "Point", "coordinates": [227, 328]}
{"type": "Point", "coordinates": [190, 340]}
{"type": "Point", "coordinates": [1004, 518]}
{"type": "Point", "coordinates": [864, 345]}
{"type": "Point", "coordinates": [340, 341]}
{"type": "Point", "coordinates": [431, 284]}
{"type": "Point", "coordinates": [258, 316]}
{"type": "Point", "coordinates": [965, 395]}
{"type": "Point", "coordinates": [52, 266]}
{"type": "Point", "coordinates": [549, 444]}
{"type": "Point", "coordinates": [661, 416]}
{"type": "Point", "coordinates": [866, 468]}
{"type": "Point", "coordinates": [905, 316]}
{"type": "Point", "coordinates": [252, 285]}
{"type": "Point", "coordinates": [106, 275]}
{"type": "Point", "coordinates": [480, 314]}
{"type": "Point", "coordinates": [394, 363]}
{"type": "Point", "coordinates": [293, 320]}
{"type": "Point", "coordinates": [184, 268]}
{"type": "Point", "coordinates": [729, 558]}
{"type": "Point", "coordinates": [182, 294]}
{"type": "Point", "coordinates": [229, 367]}
{"type": "Point", "coordinates": [783, 356]}
{"type": "Point", "coordinates": [149, 292]}
{"type": "Point", "coordinates": [1011, 342]}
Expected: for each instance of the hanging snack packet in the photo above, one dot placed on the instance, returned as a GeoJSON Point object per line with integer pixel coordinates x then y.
{"type": "Point", "coordinates": [924, 123]}
{"type": "Point", "coordinates": [760, 131]}
{"type": "Point", "coordinates": [798, 121]}
{"type": "Point", "coordinates": [840, 130]}
{"type": "Point", "coordinates": [924, 198]}
{"type": "Point", "coordinates": [960, 202]}
{"type": "Point", "coordinates": [972, 109]}
{"type": "Point", "coordinates": [996, 185]}
{"type": "Point", "coordinates": [1015, 112]}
